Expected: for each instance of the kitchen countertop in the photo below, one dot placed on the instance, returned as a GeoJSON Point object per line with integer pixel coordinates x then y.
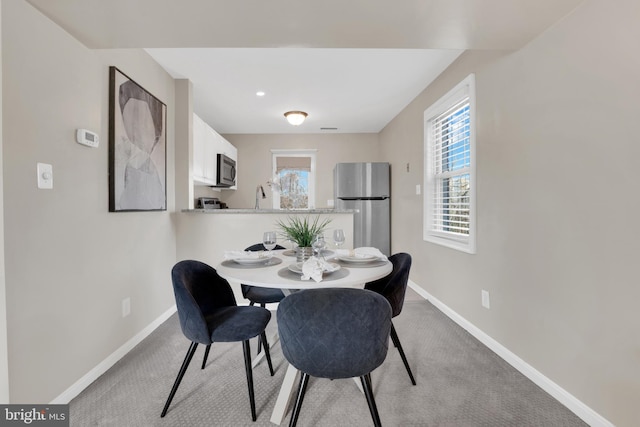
{"type": "Point", "coordinates": [271, 211]}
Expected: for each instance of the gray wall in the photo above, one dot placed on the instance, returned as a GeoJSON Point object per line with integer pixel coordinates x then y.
{"type": "Point", "coordinates": [4, 363]}
{"type": "Point", "coordinates": [69, 262]}
{"type": "Point", "coordinates": [557, 177]}
{"type": "Point", "coordinates": [255, 164]}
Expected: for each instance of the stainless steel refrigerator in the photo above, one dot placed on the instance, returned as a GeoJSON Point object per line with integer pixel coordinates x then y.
{"type": "Point", "coordinates": [365, 188]}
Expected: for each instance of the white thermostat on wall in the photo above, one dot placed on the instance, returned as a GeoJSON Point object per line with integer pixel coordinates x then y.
{"type": "Point", "coordinates": [88, 138]}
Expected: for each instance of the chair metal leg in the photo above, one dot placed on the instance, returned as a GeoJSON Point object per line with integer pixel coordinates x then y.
{"type": "Point", "coordinates": [265, 339]}
{"type": "Point", "coordinates": [183, 369]}
{"type": "Point", "coordinates": [396, 342]}
{"type": "Point", "coordinates": [267, 353]}
{"type": "Point", "coordinates": [206, 354]}
{"type": "Point", "coordinates": [302, 388]}
{"type": "Point", "coordinates": [368, 392]}
{"type": "Point", "coordinates": [247, 366]}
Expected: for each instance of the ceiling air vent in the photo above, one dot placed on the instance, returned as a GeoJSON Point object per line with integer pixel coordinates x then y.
{"type": "Point", "coordinates": [328, 128]}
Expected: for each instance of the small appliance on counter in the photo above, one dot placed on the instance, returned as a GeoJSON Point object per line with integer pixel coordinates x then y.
{"type": "Point", "coordinates": [209, 203]}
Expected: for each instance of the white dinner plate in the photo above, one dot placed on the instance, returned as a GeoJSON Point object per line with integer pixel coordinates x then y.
{"type": "Point", "coordinates": [297, 267]}
{"type": "Point", "coordinates": [327, 253]}
{"type": "Point", "coordinates": [245, 261]}
{"type": "Point", "coordinates": [358, 259]}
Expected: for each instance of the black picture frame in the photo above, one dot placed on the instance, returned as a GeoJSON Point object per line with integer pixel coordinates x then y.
{"type": "Point", "coordinates": [137, 147]}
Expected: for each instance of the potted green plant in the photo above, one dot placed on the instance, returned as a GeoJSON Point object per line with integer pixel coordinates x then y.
{"type": "Point", "coordinates": [302, 231]}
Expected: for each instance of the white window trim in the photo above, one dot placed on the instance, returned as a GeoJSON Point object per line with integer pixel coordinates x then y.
{"type": "Point", "coordinates": [311, 153]}
{"type": "Point", "coordinates": [451, 240]}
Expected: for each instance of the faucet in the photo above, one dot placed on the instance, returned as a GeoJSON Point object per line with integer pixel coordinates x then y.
{"type": "Point", "coordinates": [259, 194]}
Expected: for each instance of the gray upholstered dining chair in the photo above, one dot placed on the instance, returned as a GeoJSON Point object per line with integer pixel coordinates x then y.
{"type": "Point", "coordinates": [258, 294]}
{"type": "Point", "coordinates": [208, 313]}
{"type": "Point", "coordinates": [335, 333]}
{"type": "Point", "coordinates": [393, 287]}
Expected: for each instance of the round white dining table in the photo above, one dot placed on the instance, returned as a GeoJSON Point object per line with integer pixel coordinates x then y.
{"type": "Point", "coordinates": [276, 274]}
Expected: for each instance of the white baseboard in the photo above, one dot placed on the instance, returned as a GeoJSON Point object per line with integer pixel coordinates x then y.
{"type": "Point", "coordinates": [587, 414]}
{"type": "Point", "coordinates": [107, 363]}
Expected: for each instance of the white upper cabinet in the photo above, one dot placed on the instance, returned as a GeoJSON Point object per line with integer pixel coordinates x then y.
{"type": "Point", "coordinates": [198, 148]}
{"type": "Point", "coordinates": [207, 144]}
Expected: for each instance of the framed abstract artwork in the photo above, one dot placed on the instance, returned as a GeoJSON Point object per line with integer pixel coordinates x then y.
{"type": "Point", "coordinates": [137, 147]}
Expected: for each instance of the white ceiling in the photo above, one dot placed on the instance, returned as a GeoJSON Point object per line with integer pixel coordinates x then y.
{"type": "Point", "coordinates": [350, 64]}
{"type": "Point", "coordinates": [353, 90]}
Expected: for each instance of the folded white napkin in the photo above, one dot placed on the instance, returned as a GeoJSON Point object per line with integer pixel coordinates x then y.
{"type": "Point", "coordinates": [363, 252]}
{"type": "Point", "coordinates": [246, 254]}
{"type": "Point", "coordinates": [314, 267]}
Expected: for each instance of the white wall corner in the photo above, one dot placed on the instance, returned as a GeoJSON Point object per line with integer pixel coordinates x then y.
{"type": "Point", "coordinates": [576, 406]}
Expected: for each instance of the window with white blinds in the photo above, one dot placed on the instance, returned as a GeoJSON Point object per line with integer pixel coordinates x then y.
{"type": "Point", "coordinates": [449, 174]}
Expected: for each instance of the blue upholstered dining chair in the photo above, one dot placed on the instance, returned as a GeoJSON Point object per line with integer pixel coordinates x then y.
{"type": "Point", "coordinates": [208, 313]}
{"type": "Point", "coordinates": [335, 333]}
{"type": "Point", "coordinates": [393, 288]}
{"type": "Point", "coordinates": [259, 295]}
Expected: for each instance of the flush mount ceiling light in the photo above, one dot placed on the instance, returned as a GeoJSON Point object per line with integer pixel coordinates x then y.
{"type": "Point", "coordinates": [295, 117]}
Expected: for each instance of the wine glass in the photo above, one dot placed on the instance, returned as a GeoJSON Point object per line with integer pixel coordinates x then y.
{"type": "Point", "coordinates": [338, 237]}
{"type": "Point", "coordinates": [292, 246]}
{"type": "Point", "coordinates": [319, 244]}
{"type": "Point", "coordinates": [269, 240]}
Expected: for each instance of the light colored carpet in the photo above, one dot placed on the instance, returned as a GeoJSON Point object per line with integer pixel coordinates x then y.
{"type": "Point", "coordinates": [460, 383]}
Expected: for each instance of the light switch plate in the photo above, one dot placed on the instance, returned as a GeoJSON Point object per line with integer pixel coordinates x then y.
{"type": "Point", "coordinates": [45, 176]}
{"type": "Point", "coordinates": [485, 299]}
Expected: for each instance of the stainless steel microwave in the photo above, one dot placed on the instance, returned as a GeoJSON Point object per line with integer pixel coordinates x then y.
{"type": "Point", "coordinates": [226, 176]}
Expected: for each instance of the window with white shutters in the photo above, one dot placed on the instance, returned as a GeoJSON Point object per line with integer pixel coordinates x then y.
{"type": "Point", "coordinates": [449, 173]}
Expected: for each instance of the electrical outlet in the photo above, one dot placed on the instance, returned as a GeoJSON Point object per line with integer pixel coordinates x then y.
{"type": "Point", "coordinates": [126, 307]}
{"type": "Point", "coordinates": [485, 299]}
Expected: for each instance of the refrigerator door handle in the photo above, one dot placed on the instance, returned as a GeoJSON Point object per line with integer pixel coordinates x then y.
{"type": "Point", "coordinates": [364, 198]}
